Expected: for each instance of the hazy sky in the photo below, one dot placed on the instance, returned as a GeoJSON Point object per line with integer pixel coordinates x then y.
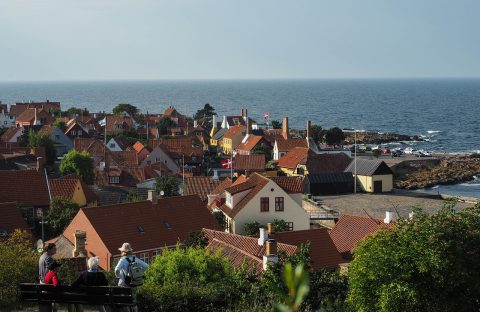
{"type": "Point", "coordinates": [216, 39]}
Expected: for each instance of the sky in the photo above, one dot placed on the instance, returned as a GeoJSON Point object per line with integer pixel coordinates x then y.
{"type": "Point", "coordinates": [43, 40]}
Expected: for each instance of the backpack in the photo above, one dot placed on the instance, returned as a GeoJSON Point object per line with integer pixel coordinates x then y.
{"type": "Point", "coordinates": [134, 276]}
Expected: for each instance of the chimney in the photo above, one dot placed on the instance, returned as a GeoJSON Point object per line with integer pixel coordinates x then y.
{"type": "Point", "coordinates": [270, 228]}
{"type": "Point", "coordinates": [80, 237]}
{"type": "Point", "coordinates": [285, 128]}
{"type": "Point", "coordinates": [388, 217]}
{"type": "Point", "coordinates": [263, 237]}
{"type": "Point", "coordinates": [242, 112]}
{"type": "Point", "coordinates": [309, 129]}
{"type": "Point", "coordinates": [36, 121]}
{"type": "Point", "coordinates": [411, 215]}
{"type": "Point", "coordinates": [224, 123]}
{"type": "Point", "coordinates": [214, 121]}
{"type": "Point", "coordinates": [215, 174]}
{"type": "Point", "coordinates": [271, 254]}
{"type": "Point", "coordinates": [249, 126]}
{"type": "Point", "coordinates": [152, 196]}
{"type": "Point", "coordinates": [195, 123]}
{"type": "Point", "coordinates": [40, 164]}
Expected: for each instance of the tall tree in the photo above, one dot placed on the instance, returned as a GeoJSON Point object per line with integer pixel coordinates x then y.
{"type": "Point", "coordinates": [428, 263]}
{"type": "Point", "coordinates": [334, 136]}
{"type": "Point", "coordinates": [42, 139]}
{"type": "Point", "coordinates": [205, 114]}
{"type": "Point", "coordinates": [60, 214]}
{"type": "Point", "coordinates": [168, 184]}
{"type": "Point", "coordinates": [164, 124]}
{"type": "Point", "coordinates": [317, 133]}
{"type": "Point", "coordinates": [125, 108]}
{"type": "Point", "coordinates": [79, 163]}
{"type": "Point", "coordinates": [276, 124]}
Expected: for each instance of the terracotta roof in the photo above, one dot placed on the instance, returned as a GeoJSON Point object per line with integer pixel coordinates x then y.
{"type": "Point", "coordinates": [227, 182]}
{"type": "Point", "coordinates": [287, 145]}
{"type": "Point", "coordinates": [163, 224]}
{"type": "Point", "coordinates": [234, 131]}
{"type": "Point", "coordinates": [250, 162]}
{"type": "Point", "coordinates": [315, 163]}
{"type": "Point", "coordinates": [202, 186]}
{"type": "Point", "coordinates": [28, 115]}
{"type": "Point", "coordinates": [291, 185]}
{"type": "Point", "coordinates": [10, 133]}
{"type": "Point", "coordinates": [234, 189]}
{"type": "Point", "coordinates": [65, 187]}
{"type": "Point", "coordinates": [82, 144]}
{"type": "Point", "coordinates": [250, 143]}
{"type": "Point", "coordinates": [27, 187]}
{"type": "Point", "coordinates": [255, 180]}
{"type": "Point", "coordinates": [113, 121]}
{"type": "Point", "coordinates": [235, 120]}
{"type": "Point", "coordinates": [170, 111]}
{"type": "Point", "coordinates": [293, 158]}
{"type": "Point", "coordinates": [240, 248]}
{"type": "Point", "coordinates": [126, 158]}
{"type": "Point", "coordinates": [48, 129]}
{"type": "Point", "coordinates": [73, 123]}
{"type": "Point", "coordinates": [349, 230]}
{"type": "Point", "coordinates": [138, 146]}
{"type": "Point", "coordinates": [11, 218]}
{"type": "Point", "coordinates": [323, 253]}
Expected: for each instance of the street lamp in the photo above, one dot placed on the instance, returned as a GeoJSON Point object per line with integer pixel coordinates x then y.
{"type": "Point", "coordinates": [40, 215]}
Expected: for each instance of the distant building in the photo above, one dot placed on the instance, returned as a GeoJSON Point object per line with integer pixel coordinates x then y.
{"type": "Point", "coordinates": [373, 176]}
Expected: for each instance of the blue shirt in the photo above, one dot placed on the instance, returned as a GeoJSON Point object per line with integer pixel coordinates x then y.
{"type": "Point", "coordinates": [122, 268]}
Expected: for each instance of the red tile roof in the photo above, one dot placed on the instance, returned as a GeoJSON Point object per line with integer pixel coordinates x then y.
{"type": "Point", "coordinates": [113, 121]}
{"type": "Point", "coordinates": [293, 158]}
{"type": "Point", "coordinates": [10, 133]}
{"type": "Point", "coordinates": [234, 131]}
{"type": "Point", "coordinates": [28, 115]}
{"type": "Point", "coordinates": [11, 218]}
{"type": "Point", "coordinates": [66, 186]}
{"type": "Point", "coordinates": [349, 230]}
{"type": "Point", "coordinates": [289, 184]}
{"type": "Point", "coordinates": [315, 163]}
{"type": "Point", "coordinates": [138, 146]}
{"type": "Point", "coordinates": [240, 248]}
{"type": "Point", "coordinates": [254, 162]}
{"type": "Point", "coordinates": [116, 224]}
{"type": "Point", "coordinates": [27, 187]}
{"type": "Point", "coordinates": [323, 253]}
{"type": "Point", "coordinates": [202, 186]}
{"type": "Point", "coordinates": [250, 143]}
{"type": "Point", "coordinates": [287, 145]}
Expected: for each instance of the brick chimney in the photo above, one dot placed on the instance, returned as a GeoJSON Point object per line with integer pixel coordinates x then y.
{"type": "Point", "coordinates": [80, 238]}
{"type": "Point", "coordinates": [285, 128]}
{"type": "Point", "coordinates": [270, 228]}
{"type": "Point", "coordinates": [40, 164]}
{"type": "Point", "coordinates": [270, 253]}
{"type": "Point", "coordinates": [309, 128]}
{"type": "Point", "coordinates": [152, 196]}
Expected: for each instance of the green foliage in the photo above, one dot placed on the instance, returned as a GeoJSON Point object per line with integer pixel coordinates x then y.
{"type": "Point", "coordinates": [164, 124]}
{"type": "Point", "coordinates": [220, 217]}
{"type": "Point", "coordinates": [429, 263]}
{"type": "Point", "coordinates": [271, 165]}
{"type": "Point", "coordinates": [317, 133]}
{"type": "Point", "coordinates": [168, 184]}
{"type": "Point", "coordinates": [133, 196]}
{"type": "Point", "coordinates": [298, 287]}
{"type": "Point", "coordinates": [189, 279]}
{"type": "Point", "coordinates": [263, 150]}
{"type": "Point", "coordinates": [60, 214]}
{"type": "Point", "coordinates": [276, 124]}
{"type": "Point", "coordinates": [251, 228]}
{"type": "Point", "coordinates": [73, 111]}
{"type": "Point", "coordinates": [56, 112]}
{"type": "Point", "coordinates": [205, 114]}
{"type": "Point", "coordinates": [334, 136]}
{"type": "Point", "coordinates": [19, 265]}
{"type": "Point", "coordinates": [79, 163]}
{"type": "Point", "coordinates": [196, 239]}
{"type": "Point", "coordinates": [280, 225]}
{"type": "Point", "coordinates": [125, 108]}
{"type": "Point", "coordinates": [60, 125]}
{"type": "Point", "coordinates": [42, 139]}
{"type": "Point", "coordinates": [328, 292]}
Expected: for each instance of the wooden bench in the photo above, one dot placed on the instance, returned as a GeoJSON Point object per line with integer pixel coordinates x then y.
{"type": "Point", "coordinates": [90, 295]}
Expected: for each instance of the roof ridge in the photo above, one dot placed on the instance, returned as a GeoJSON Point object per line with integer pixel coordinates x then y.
{"type": "Point", "coordinates": [238, 249]}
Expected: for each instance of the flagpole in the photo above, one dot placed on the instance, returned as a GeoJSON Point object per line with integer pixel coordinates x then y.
{"type": "Point", "coordinates": [231, 167]}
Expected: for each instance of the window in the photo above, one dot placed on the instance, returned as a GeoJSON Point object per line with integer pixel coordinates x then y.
{"type": "Point", "coordinates": [5, 122]}
{"type": "Point", "coordinates": [144, 257]}
{"type": "Point", "coordinates": [264, 204]}
{"type": "Point", "coordinates": [112, 145]}
{"type": "Point", "coordinates": [74, 132]}
{"type": "Point", "coordinates": [155, 253]}
{"type": "Point", "coordinates": [279, 203]}
{"type": "Point", "coordinates": [290, 226]}
{"type": "Point", "coordinates": [114, 180]}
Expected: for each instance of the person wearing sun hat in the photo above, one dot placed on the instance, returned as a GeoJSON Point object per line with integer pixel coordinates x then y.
{"type": "Point", "coordinates": [121, 270]}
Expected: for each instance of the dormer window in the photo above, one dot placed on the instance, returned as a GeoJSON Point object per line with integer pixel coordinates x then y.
{"type": "Point", "coordinates": [236, 121]}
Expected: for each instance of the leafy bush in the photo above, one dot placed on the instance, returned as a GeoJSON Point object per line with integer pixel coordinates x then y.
{"type": "Point", "coordinates": [61, 212]}
{"type": "Point", "coordinates": [79, 163]}
{"type": "Point", "coordinates": [251, 228]}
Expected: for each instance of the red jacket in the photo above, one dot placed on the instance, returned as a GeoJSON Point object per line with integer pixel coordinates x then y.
{"type": "Point", "coordinates": [52, 278]}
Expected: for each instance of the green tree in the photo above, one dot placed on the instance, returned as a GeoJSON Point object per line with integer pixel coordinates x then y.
{"type": "Point", "coordinates": [125, 108]}
{"type": "Point", "coordinates": [334, 136]}
{"type": "Point", "coordinates": [19, 265]}
{"type": "Point", "coordinates": [220, 217]}
{"type": "Point", "coordinates": [298, 287]}
{"type": "Point", "coordinates": [60, 214]}
{"type": "Point", "coordinates": [133, 196]}
{"type": "Point", "coordinates": [42, 139]}
{"type": "Point", "coordinates": [79, 163]}
{"type": "Point", "coordinates": [317, 133]}
{"type": "Point", "coordinates": [168, 184]}
{"type": "Point", "coordinates": [164, 124]}
{"type": "Point", "coordinates": [428, 263]}
{"type": "Point", "coordinates": [74, 111]}
{"type": "Point", "coordinates": [251, 228]}
{"type": "Point", "coordinates": [205, 114]}
{"type": "Point", "coordinates": [276, 124]}
{"type": "Point", "coordinates": [60, 125]}
{"type": "Point", "coordinates": [280, 225]}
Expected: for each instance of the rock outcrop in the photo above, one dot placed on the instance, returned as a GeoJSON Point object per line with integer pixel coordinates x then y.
{"type": "Point", "coordinates": [452, 169]}
{"type": "Point", "coordinates": [378, 138]}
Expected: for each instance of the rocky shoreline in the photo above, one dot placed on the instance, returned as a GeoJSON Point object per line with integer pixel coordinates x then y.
{"type": "Point", "coordinates": [378, 138]}
{"type": "Point", "coordinates": [451, 169]}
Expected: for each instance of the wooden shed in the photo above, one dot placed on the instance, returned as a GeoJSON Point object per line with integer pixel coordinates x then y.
{"type": "Point", "coordinates": [328, 183]}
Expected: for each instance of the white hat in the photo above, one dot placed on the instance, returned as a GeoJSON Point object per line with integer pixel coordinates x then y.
{"type": "Point", "coordinates": [126, 247]}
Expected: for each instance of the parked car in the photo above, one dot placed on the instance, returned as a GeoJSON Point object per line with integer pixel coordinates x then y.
{"type": "Point", "coordinates": [397, 153]}
{"type": "Point", "coordinates": [409, 150]}
{"type": "Point", "coordinates": [385, 151]}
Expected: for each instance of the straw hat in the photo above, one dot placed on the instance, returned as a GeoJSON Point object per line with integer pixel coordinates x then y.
{"type": "Point", "coordinates": [126, 248]}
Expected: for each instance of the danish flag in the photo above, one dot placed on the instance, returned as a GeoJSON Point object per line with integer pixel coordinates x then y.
{"type": "Point", "coordinates": [266, 115]}
{"type": "Point", "coordinates": [227, 163]}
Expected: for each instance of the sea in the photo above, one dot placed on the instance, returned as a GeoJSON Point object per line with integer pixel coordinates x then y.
{"type": "Point", "coordinates": [445, 113]}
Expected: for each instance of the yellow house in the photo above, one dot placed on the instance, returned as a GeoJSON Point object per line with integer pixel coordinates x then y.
{"type": "Point", "coordinates": [260, 199]}
{"type": "Point", "coordinates": [217, 137]}
{"type": "Point", "coordinates": [233, 138]}
{"type": "Point", "coordinates": [73, 189]}
{"type": "Point", "coordinates": [373, 176]}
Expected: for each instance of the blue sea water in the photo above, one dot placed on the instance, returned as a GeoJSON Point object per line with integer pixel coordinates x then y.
{"type": "Point", "coordinates": [445, 112]}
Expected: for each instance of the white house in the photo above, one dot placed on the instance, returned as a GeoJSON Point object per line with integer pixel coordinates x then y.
{"type": "Point", "coordinates": [117, 144]}
{"type": "Point", "coordinates": [6, 120]}
{"type": "Point", "coordinates": [258, 199]}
